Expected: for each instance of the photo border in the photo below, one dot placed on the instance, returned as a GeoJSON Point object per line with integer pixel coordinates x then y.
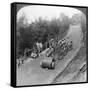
{"type": "Point", "coordinates": [13, 43]}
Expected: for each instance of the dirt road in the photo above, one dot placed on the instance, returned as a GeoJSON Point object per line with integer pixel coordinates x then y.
{"type": "Point", "coordinates": [32, 74]}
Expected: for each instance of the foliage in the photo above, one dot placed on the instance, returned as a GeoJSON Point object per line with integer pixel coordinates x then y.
{"type": "Point", "coordinates": [80, 18]}
{"type": "Point", "coordinates": [40, 31]}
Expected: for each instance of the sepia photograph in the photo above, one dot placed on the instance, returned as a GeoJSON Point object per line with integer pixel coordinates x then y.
{"type": "Point", "coordinates": [51, 44]}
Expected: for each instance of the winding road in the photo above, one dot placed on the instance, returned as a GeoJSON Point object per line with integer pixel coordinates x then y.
{"type": "Point", "coordinates": [31, 73]}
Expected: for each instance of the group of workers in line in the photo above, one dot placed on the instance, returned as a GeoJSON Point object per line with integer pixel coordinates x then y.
{"type": "Point", "coordinates": [35, 52]}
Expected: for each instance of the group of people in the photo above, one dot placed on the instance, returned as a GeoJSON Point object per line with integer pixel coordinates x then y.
{"type": "Point", "coordinates": [60, 46]}
{"type": "Point", "coordinates": [37, 50]}
{"type": "Point", "coordinates": [65, 47]}
{"type": "Point", "coordinates": [34, 52]}
{"type": "Point", "coordinates": [52, 44]}
{"type": "Point", "coordinates": [20, 61]}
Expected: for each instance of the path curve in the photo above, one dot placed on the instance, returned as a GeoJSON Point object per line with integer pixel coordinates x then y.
{"type": "Point", "coordinates": [32, 74]}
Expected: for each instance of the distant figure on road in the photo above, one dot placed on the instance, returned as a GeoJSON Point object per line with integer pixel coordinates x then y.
{"type": "Point", "coordinates": [39, 46]}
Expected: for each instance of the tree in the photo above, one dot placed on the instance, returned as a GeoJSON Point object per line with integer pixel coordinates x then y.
{"type": "Point", "coordinates": [39, 31]}
{"type": "Point", "coordinates": [80, 19]}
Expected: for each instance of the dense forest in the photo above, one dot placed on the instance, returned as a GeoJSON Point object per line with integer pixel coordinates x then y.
{"type": "Point", "coordinates": [43, 30]}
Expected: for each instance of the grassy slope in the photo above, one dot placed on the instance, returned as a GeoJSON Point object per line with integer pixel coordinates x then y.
{"type": "Point", "coordinates": [76, 69]}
